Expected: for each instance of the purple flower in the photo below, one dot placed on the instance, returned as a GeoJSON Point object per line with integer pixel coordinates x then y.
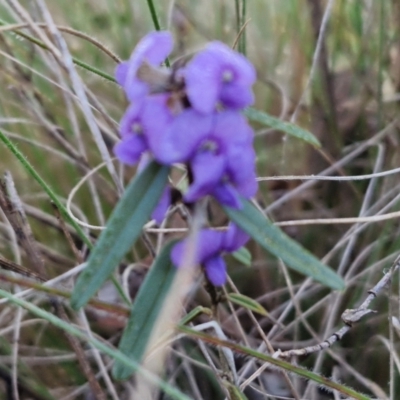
{"type": "Point", "coordinates": [141, 131]}
{"type": "Point", "coordinates": [133, 143]}
{"type": "Point", "coordinates": [210, 246]}
{"type": "Point", "coordinates": [153, 49]}
{"type": "Point", "coordinates": [223, 161]}
{"type": "Point", "coordinates": [216, 144]}
{"type": "Point", "coordinates": [183, 136]}
{"type": "Point", "coordinates": [219, 74]}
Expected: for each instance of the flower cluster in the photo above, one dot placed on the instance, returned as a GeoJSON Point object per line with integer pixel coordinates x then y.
{"type": "Point", "coordinates": [191, 114]}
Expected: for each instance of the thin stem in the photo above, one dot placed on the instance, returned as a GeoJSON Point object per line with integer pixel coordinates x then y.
{"type": "Point", "coordinates": [153, 13]}
{"type": "Point", "coordinates": [156, 23]}
{"type": "Point", "coordinates": [380, 60]}
{"type": "Point", "coordinates": [242, 43]}
{"type": "Point", "coordinates": [237, 12]}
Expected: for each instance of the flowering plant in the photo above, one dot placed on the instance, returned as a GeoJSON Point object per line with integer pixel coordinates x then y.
{"type": "Point", "coordinates": [191, 114]}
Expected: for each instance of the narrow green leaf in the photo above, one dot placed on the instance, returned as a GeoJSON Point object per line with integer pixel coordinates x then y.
{"type": "Point", "coordinates": [145, 311]}
{"type": "Point", "coordinates": [278, 124]}
{"type": "Point", "coordinates": [247, 302]}
{"type": "Point", "coordinates": [123, 228]}
{"type": "Point", "coordinates": [243, 256]}
{"type": "Point", "coordinates": [272, 239]}
{"type": "Point", "coordinates": [194, 313]}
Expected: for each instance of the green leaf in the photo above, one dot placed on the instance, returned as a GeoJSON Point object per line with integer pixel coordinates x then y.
{"type": "Point", "coordinates": [123, 228]}
{"type": "Point", "coordinates": [247, 302]}
{"type": "Point", "coordinates": [194, 313]}
{"type": "Point", "coordinates": [145, 311]}
{"type": "Point", "coordinates": [243, 256]}
{"type": "Point", "coordinates": [272, 239]}
{"type": "Point", "coordinates": [278, 124]}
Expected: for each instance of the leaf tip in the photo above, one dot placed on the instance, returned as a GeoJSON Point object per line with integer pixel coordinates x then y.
{"type": "Point", "coordinates": [76, 301]}
{"type": "Point", "coordinates": [339, 284]}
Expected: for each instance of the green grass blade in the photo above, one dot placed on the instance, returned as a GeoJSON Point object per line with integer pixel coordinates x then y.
{"type": "Point", "coordinates": [115, 354]}
{"type": "Point", "coordinates": [272, 239]}
{"type": "Point", "coordinates": [195, 313]}
{"type": "Point", "coordinates": [156, 23]}
{"type": "Point", "coordinates": [247, 302]}
{"type": "Point", "coordinates": [123, 228]}
{"type": "Point", "coordinates": [278, 124]}
{"type": "Point", "coordinates": [145, 311]}
{"type": "Point", "coordinates": [153, 14]}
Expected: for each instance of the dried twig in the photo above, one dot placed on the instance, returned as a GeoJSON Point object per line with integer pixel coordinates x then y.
{"type": "Point", "coordinates": [349, 317]}
{"type": "Point", "coordinates": [12, 207]}
{"type": "Point", "coordinates": [78, 255]}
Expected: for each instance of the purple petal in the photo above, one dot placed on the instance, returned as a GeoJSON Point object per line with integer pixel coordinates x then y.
{"type": "Point", "coordinates": [208, 244]}
{"type": "Point", "coordinates": [219, 74]}
{"type": "Point", "coordinates": [241, 162]}
{"type": "Point", "coordinates": [208, 170]}
{"type": "Point", "coordinates": [227, 195]}
{"type": "Point", "coordinates": [121, 72]}
{"type": "Point", "coordinates": [216, 270]}
{"type": "Point", "coordinates": [130, 118]}
{"type": "Point", "coordinates": [162, 206]}
{"type": "Point", "coordinates": [184, 136]}
{"type": "Point", "coordinates": [241, 169]}
{"type": "Point", "coordinates": [153, 48]}
{"type": "Point", "coordinates": [136, 90]}
{"type": "Point", "coordinates": [231, 128]}
{"type": "Point", "coordinates": [177, 253]}
{"type": "Point", "coordinates": [234, 238]}
{"type": "Point", "coordinates": [248, 187]}
{"type": "Point", "coordinates": [236, 95]}
{"type": "Point", "coordinates": [130, 148]}
{"type": "Point", "coordinates": [203, 81]}
{"type": "Point", "coordinates": [243, 69]}
{"type": "Point", "coordinates": [156, 118]}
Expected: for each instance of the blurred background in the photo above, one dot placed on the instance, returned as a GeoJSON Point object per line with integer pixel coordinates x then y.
{"type": "Point", "coordinates": [330, 67]}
